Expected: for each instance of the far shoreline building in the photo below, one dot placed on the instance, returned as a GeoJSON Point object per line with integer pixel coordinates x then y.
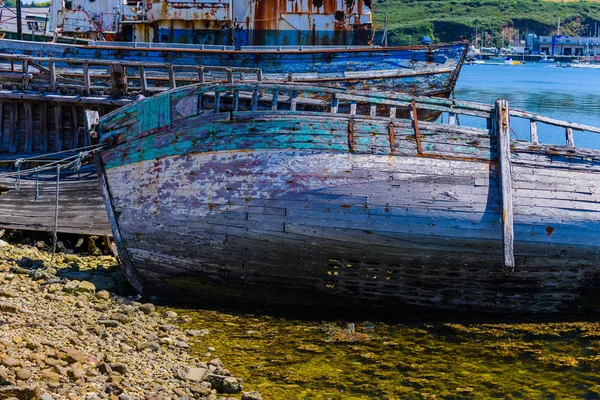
{"type": "Point", "coordinates": [563, 45]}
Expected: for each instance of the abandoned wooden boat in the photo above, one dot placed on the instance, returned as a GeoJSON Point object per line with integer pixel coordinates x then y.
{"type": "Point", "coordinates": [423, 70]}
{"type": "Point", "coordinates": [217, 190]}
{"type": "Point", "coordinates": [326, 42]}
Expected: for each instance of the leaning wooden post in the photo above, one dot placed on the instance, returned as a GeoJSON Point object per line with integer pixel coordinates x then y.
{"type": "Point", "coordinates": [504, 177]}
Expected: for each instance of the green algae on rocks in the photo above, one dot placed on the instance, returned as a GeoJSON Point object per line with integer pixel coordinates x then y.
{"type": "Point", "coordinates": [305, 359]}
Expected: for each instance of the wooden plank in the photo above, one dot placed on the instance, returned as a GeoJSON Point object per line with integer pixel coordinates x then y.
{"type": "Point", "coordinates": [26, 75]}
{"type": "Point", "coordinates": [118, 80]}
{"type": "Point", "coordinates": [505, 179]}
{"type": "Point", "coordinates": [172, 81]}
{"type": "Point", "coordinates": [2, 133]}
{"type": "Point", "coordinates": [143, 82]}
{"type": "Point", "coordinates": [392, 137]}
{"type": "Point", "coordinates": [74, 128]}
{"type": "Point", "coordinates": [86, 79]}
{"type": "Point", "coordinates": [275, 102]}
{"type": "Point", "coordinates": [533, 132]}
{"type": "Point", "coordinates": [14, 128]}
{"type": "Point", "coordinates": [552, 121]}
{"type": "Point", "coordinates": [415, 123]}
{"type": "Point", "coordinates": [44, 127]}
{"type": "Point", "coordinates": [569, 135]}
{"type": "Point", "coordinates": [334, 104]}
{"type": "Point", "coordinates": [58, 127]}
{"type": "Point", "coordinates": [52, 73]}
{"type": "Point", "coordinates": [28, 127]}
{"type": "Point", "coordinates": [373, 110]}
{"type": "Point", "coordinates": [451, 118]}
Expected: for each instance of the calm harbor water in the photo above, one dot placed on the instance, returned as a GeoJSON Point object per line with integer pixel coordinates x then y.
{"type": "Point", "coordinates": [427, 356]}
{"type": "Point", "coordinates": [571, 94]}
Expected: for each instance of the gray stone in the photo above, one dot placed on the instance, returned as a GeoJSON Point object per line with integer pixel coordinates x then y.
{"type": "Point", "coordinates": [7, 293]}
{"type": "Point", "coordinates": [251, 396]}
{"type": "Point", "coordinates": [200, 390]}
{"type": "Point", "coordinates": [103, 295]}
{"type": "Point", "coordinates": [105, 369]}
{"type": "Point", "coordinates": [181, 344]}
{"type": "Point", "coordinates": [111, 323]}
{"type": "Point", "coordinates": [11, 362]}
{"type": "Point", "coordinates": [147, 308]}
{"type": "Point", "coordinates": [169, 314]}
{"type": "Point", "coordinates": [154, 346]}
{"type": "Point", "coordinates": [124, 396]}
{"type": "Point", "coordinates": [23, 374]}
{"type": "Point", "coordinates": [119, 368]}
{"type": "Point", "coordinates": [3, 243]}
{"type": "Point", "coordinates": [196, 374]}
{"type": "Point", "coordinates": [217, 363]}
{"type": "Point", "coordinates": [195, 332]}
{"type": "Point", "coordinates": [71, 286]}
{"type": "Point", "coordinates": [225, 384]}
{"type": "Point", "coordinates": [74, 355]}
{"type": "Point", "coordinates": [86, 287]}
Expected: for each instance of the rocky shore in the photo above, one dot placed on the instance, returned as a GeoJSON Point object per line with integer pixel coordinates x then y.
{"type": "Point", "coordinates": [64, 336]}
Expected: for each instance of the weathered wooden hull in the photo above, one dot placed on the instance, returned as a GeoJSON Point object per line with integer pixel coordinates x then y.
{"type": "Point", "coordinates": [80, 208]}
{"type": "Point", "coordinates": [423, 70]}
{"type": "Point", "coordinates": [305, 208]}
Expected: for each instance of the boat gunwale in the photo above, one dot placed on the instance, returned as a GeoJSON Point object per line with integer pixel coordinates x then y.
{"type": "Point", "coordinates": [371, 98]}
{"type": "Point", "coordinates": [430, 47]}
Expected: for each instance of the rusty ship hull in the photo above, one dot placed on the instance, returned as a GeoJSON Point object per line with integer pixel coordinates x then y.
{"type": "Point", "coordinates": [280, 199]}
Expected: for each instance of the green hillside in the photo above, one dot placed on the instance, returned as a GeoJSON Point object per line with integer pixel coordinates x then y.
{"type": "Point", "coordinates": [447, 20]}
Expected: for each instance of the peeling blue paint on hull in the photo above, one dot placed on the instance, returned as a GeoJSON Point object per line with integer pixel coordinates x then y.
{"type": "Point", "coordinates": [318, 206]}
{"type": "Point", "coordinates": [423, 70]}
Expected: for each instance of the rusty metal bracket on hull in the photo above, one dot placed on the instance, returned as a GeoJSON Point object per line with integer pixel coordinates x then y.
{"type": "Point", "coordinates": [505, 179]}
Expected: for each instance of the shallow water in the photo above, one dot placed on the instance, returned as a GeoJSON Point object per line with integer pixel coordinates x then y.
{"type": "Point", "coordinates": [428, 356]}
{"type": "Point", "coordinates": [289, 358]}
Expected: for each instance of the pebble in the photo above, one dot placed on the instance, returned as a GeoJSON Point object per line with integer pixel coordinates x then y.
{"type": "Point", "coordinates": [11, 362]}
{"type": "Point", "coordinates": [103, 295]}
{"type": "Point", "coordinates": [72, 341]}
{"type": "Point", "coordinates": [86, 287]}
{"type": "Point", "coordinates": [169, 314]}
{"type": "Point", "coordinates": [111, 323]}
{"type": "Point", "coordinates": [147, 308]}
{"type": "Point", "coordinates": [196, 374]}
{"type": "Point", "coordinates": [23, 374]}
{"type": "Point", "coordinates": [195, 332]}
{"type": "Point", "coordinates": [251, 396]}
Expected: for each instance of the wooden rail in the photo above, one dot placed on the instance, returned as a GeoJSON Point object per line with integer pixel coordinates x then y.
{"type": "Point", "coordinates": [376, 105]}
{"type": "Point", "coordinates": [109, 77]}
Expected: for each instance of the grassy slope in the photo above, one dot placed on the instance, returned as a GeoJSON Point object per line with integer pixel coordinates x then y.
{"type": "Point", "coordinates": [446, 20]}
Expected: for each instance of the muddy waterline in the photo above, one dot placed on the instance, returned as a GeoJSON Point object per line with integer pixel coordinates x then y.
{"type": "Point", "coordinates": [300, 358]}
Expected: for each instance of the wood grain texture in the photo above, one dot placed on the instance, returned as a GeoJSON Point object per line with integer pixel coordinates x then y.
{"type": "Point", "coordinates": [425, 70]}
{"type": "Point", "coordinates": [81, 207]}
{"type": "Point", "coordinates": [505, 180]}
{"type": "Point", "coordinates": [315, 206]}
